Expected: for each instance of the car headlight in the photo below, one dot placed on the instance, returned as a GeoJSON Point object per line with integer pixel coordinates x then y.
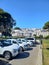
{"type": "Point", "coordinates": [14, 50]}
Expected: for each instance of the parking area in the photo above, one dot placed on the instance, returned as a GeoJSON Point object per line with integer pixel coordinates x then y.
{"type": "Point", "coordinates": [32, 56]}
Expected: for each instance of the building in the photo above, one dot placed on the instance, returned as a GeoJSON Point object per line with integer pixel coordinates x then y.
{"type": "Point", "coordinates": [29, 32]}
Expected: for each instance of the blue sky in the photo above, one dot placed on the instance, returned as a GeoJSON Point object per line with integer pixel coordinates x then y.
{"type": "Point", "coordinates": [27, 13]}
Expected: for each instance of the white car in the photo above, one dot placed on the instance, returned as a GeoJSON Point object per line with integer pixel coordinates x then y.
{"type": "Point", "coordinates": [38, 41]}
{"type": "Point", "coordinates": [33, 40]}
{"type": "Point", "coordinates": [25, 42]}
{"type": "Point", "coordinates": [22, 44]}
{"type": "Point", "coordinates": [8, 50]}
{"type": "Point", "coordinates": [30, 44]}
{"type": "Point", "coordinates": [13, 41]}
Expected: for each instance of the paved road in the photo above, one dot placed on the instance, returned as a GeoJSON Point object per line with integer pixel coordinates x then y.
{"type": "Point", "coordinates": [4, 62]}
{"type": "Point", "coordinates": [32, 56]}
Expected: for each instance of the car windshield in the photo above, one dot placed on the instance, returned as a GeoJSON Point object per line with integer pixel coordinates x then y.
{"type": "Point", "coordinates": [27, 41]}
{"type": "Point", "coordinates": [23, 40]}
{"type": "Point", "coordinates": [19, 42]}
{"type": "Point", "coordinates": [15, 42]}
{"type": "Point", "coordinates": [6, 43]}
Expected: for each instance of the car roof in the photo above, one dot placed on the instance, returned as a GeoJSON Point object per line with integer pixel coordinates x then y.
{"type": "Point", "coordinates": [12, 39]}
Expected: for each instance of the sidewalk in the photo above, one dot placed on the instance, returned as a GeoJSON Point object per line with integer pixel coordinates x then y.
{"type": "Point", "coordinates": [39, 57]}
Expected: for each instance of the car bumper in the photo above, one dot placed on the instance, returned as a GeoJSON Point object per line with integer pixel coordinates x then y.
{"type": "Point", "coordinates": [25, 47]}
{"type": "Point", "coordinates": [15, 54]}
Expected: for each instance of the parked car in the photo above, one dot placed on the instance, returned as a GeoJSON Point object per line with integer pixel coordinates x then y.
{"type": "Point", "coordinates": [25, 42]}
{"type": "Point", "coordinates": [22, 44]}
{"type": "Point", "coordinates": [13, 41]}
{"type": "Point", "coordinates": [8, 50]}
{"type": "Point", "coordinates": [38, 41]}
{"type": "Point", "coordinates": [30, 44]}
{"type": "Point", "coordinates": [31, 40]}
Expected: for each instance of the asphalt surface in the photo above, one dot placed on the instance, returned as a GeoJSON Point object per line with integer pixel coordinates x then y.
{"type": "Point", "coordinates": [32, 56]}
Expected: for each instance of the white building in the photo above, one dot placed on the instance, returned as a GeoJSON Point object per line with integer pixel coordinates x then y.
{"type": "Point", "coordinates": [17, 33]}
{"type": "Point", "coordinates": [29, 32]}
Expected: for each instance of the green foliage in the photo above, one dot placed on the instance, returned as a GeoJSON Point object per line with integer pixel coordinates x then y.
{"type": "Point", "coordinates": [1, 11]}
{"type": "Point", "coordinates": [37, 37]}
{"type": "Point", "coordinates": [45, 51]}
{"type": "Point", "coordinates": [17, 28]}
{"type": "Point", "coordinates": [34, 35]}
{"type": "Point", "coordinates": [46, 25]}
{"type": "Point", "coordinates": [5, 37]}
{"type": "Point", "coordinates": [40, 36]}
{"type": "Point", "coordinates": [47, 37]}
{"type": "Point", "coordinates": [6, 21]}
{"type": "Point", "coordinates": [15, 37]}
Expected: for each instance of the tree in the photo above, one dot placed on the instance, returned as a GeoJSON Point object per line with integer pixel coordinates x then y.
{"type": "Point", "coordinates": [17, 28]}
{"type": "Point", "coordinates": [6, 22]}
{"type": "Point", "coordinates": [35, 35]}
{"type": "Point", "coordinates": [40, 36]}
{"type": "Point", "coordinates": [46, 25]}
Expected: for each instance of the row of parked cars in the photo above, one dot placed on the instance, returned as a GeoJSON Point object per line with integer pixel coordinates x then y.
{"type": "Point", "coordinates": [12, 47]}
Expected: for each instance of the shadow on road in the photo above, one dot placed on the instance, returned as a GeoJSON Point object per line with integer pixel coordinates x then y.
{"type": "Point", "coordinates": [1, 56]}
{"type": "Point", "coordinates": [22, 55]}
{"type": "Point", "coordinates": [47, 48]}
{"type": "Point", "coordinates": [29, 49]}
{"type": "Point", "coordinates": [37, 43]}
{"type": "Point", "coordinates": [2, 62]}
{"type": "Point", "coordinates": [34, 45]}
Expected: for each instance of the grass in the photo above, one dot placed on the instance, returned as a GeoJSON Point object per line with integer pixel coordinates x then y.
{"type": "Point", "coordinates": [45, 52]}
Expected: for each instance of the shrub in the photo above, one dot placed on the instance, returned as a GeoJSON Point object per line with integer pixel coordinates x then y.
{"type": "Point", "coordinates": [47, 37]}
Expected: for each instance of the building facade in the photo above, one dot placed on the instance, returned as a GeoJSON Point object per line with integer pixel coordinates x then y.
{"type": "Point", "coordinates": [29, 32]}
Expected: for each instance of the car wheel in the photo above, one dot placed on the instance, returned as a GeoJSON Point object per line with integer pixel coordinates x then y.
{"type": "Point", "coordinates": [7, 55]}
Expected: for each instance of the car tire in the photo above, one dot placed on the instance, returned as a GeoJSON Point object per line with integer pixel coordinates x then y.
{"type": "Point", "coordinates": [7, 55]}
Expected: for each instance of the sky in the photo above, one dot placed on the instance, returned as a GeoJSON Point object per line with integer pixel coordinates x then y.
{"type": "Point", "coordinates": [27, 13]}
